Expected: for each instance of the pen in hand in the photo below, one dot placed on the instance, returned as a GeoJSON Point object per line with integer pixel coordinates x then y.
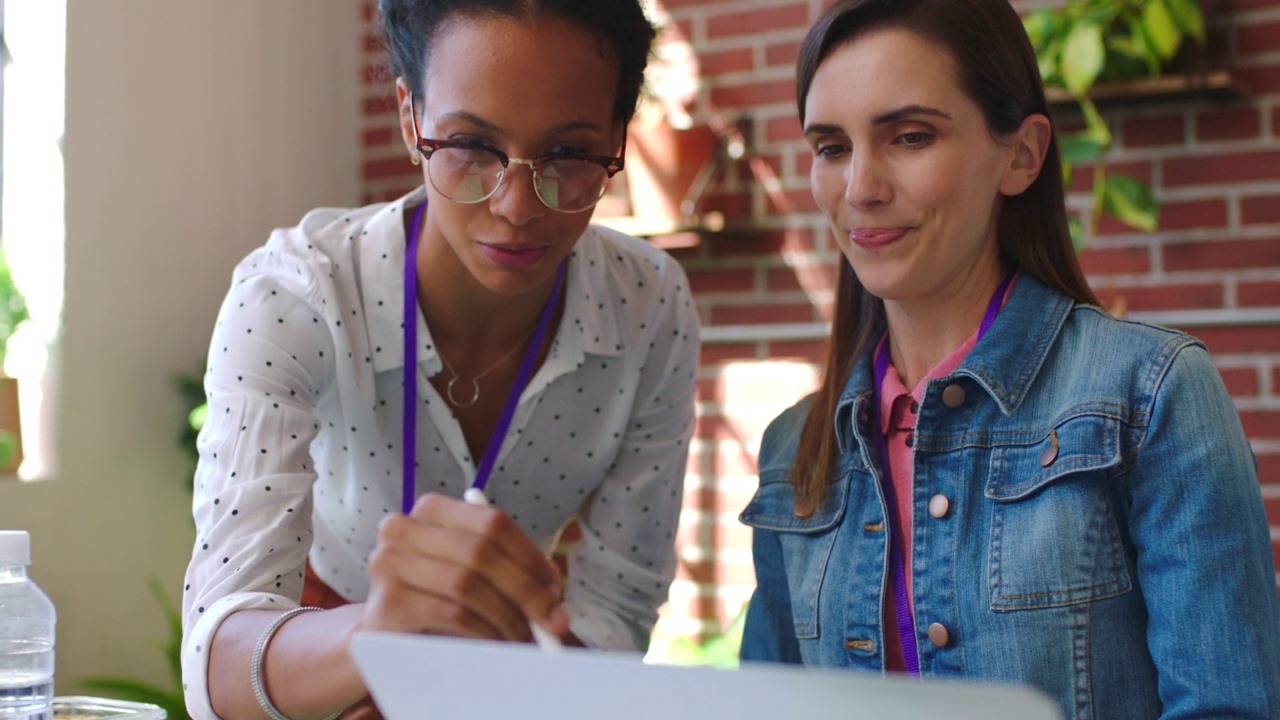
{"type": "Point", "coordinates": [545, 640]}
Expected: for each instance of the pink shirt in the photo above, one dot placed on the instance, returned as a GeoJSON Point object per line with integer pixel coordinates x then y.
{"type": "Point", "coordinates": [898, 407]}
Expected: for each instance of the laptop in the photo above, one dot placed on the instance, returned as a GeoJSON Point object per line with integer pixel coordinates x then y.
{"type": "Point", "coordinates": [419, 677]}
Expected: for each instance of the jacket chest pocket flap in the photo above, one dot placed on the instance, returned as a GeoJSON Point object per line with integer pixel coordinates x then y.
{"type": "Point", "coordinates": [1055, 540]}
{"type": "Point", "coordinates": [805, 542]}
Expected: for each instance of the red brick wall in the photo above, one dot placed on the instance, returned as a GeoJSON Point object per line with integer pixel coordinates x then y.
{"type": "Point", "coordinates": [1213, 268]}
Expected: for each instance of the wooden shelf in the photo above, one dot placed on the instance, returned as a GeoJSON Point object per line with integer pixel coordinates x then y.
{"type": "Point", "coordinates": [1217, 85]}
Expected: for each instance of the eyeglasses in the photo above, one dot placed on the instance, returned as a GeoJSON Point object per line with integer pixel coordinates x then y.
{"type": "Point", "coordinates": [469, 171]}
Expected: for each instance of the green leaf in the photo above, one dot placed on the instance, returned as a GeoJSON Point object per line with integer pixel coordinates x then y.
{"type": "Point", "coordinates": [1083, 56]}
{"type": "Point", "coordinates": [1079, 147]}
{"type": "Point", "coordinates": [1095, 126]}
{"type": "Point", "coordinates": [1162, 31]}
{"type": "Point", "coordinates": [1145, 49]}
{"type": "Point", "coordinates": [1189, 17]}
{"type": "Point", "coordinates": [1130, 201]}
{"type": "Point", "coordinates": [1041, 25]}
{"type": "Point", "coordinates": [1078, 240]}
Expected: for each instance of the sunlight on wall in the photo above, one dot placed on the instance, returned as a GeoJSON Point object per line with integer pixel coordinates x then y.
{"type": "Point", "coordinates": [33, 210]}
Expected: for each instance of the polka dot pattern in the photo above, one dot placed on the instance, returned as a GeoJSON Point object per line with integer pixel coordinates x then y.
{"type": "Point", "coordinates": [301, 454]}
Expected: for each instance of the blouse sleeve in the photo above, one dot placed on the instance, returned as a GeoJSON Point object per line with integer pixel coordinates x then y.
{"type": "Point", "coordinates": [1204, 549]}
{"type": "Point", "coordinates": [620, 572]}
{"type": "Point", "coordinates": [269, 359]}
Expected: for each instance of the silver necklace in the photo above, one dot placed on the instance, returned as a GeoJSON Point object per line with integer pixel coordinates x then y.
{"type": "Point", "coordinates": [475, 381]}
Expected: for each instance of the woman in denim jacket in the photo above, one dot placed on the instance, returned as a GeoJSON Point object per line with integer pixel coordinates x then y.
{"type": "Point", "coordinates": [996, 479]}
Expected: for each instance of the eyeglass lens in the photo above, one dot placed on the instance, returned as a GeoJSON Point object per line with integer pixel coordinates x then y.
{"type": "Point", "coordinates": [468, 175]}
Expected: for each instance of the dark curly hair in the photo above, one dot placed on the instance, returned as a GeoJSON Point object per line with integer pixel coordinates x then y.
{"type": "Point", "coordinates": [410, 27]}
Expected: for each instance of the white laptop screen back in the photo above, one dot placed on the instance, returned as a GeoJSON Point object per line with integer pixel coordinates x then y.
{"type": "Point", "coordinates": [415, 677]}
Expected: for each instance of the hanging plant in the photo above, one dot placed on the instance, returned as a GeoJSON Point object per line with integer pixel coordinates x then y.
{"type": "Point", "coordinates": [1086, 42]}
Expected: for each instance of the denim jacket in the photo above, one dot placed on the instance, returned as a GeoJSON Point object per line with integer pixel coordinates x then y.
{"type": "Point", "coordinates": [1127, 572]}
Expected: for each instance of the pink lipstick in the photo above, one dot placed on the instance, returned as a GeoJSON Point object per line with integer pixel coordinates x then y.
{"type": "Point", "coordinates": [876, 238]}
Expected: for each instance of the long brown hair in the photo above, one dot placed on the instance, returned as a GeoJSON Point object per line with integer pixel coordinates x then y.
{"type": "Point", "coordinates": [997, 69]}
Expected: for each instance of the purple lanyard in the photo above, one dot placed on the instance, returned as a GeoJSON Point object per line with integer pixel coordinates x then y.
{"type": "Point", "coordinates": [906, 624]}
{"type": "Point", "coordinates": [409, 439]}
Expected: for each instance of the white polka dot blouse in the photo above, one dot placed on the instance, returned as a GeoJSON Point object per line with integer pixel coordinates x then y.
{"type": "Point", "coordinates": [300, 456]}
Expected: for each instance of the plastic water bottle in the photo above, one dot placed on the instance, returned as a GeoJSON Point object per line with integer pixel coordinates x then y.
{"type": "Point", "coordinates": [27, 620]}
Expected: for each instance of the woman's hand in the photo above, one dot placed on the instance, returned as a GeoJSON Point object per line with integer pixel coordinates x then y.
{"type": "Point", "coordinates": [452, 568]}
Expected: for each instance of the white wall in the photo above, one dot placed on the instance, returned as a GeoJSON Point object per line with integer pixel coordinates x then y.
{"type": "Point", "coordinates": [193, 129]}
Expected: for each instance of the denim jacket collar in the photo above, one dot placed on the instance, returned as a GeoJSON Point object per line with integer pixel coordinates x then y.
{"type": "Point", "coordinates": [1004, 363]}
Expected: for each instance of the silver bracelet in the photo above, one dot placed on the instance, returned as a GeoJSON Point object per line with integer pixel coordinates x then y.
{"type": "Point", "coordinates": [258, 661]}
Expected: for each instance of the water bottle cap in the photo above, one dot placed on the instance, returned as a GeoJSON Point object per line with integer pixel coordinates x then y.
{"type": "Point", "coordinates": [15, 548]}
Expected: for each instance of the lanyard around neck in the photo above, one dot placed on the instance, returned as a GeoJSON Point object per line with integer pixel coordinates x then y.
{"type": "Point", "coordinates": [901, 604]}
{"type": "Point", "coordinates": [409, 437]}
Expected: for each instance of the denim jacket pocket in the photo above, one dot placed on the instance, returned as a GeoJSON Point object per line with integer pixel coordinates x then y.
{"type": "Point", "coordinates": [806, 542]}
{"type": "Point", "coordinates": [1055, 539]}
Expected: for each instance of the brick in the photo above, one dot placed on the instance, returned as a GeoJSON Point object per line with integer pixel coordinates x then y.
{"type": "Point", "coordinates": [1260, 209]}
{"type": "Point", "coordinates": [372, 41]}
{"type": "Point", "coordinates": [1241, 382]}
{"type": "Point", "coordinates": [1257, 38]}
{"type": "Point", "coordinates": [1224, 168]}
{"type": "Point", "coordinates": [782, 53]}
{"type": "Point", "coordinates": [809, 277]}
{"type": "Point", "coordinates": [378, 137]}
{"type": "Point", "coordinates": [378, 169]}
{"type": "Point", "coordinates": [1261, 423]}
{"type": "Point", "coordinates": [1259, 80]}
{"type": "Point", "coordinates": [1259, 294]}
{"type": "Point", "coordinates": [766, 313]}
{"type": "Point", "coordinates": [1172, 297]}
{"type": "Point", "coordinates": [755, 21]}
{"type": "Point", "coordinates": [1222, 255]}
{"type": "Point", "coordinates": [789, 202]}
{"type": "Point", "coordinates": [1185, 215]}
{"type": "Point", "coordinates": [783, 129]}
{"type": "Point", "coordinates": [710, 389]}
{"type": "Point", "coordinates": [1275, 380]}
{"type": "Point", "coordinates": [1275, 121]}
{"type": "Point", "coordinates": [722, 280]}
{"type": "Point", "coordinates": [1082, 175]}
{"type": "Point", "coordinates": [1116, 260]}
{"type": "Point", "coordinates": [754, 93]}
{"type": "Point", "coordinates": [1234, 124]}
{"type": "Point", "coordinates": [1269, 469]}
{"type": "Point", "coordinates": [812, 351]}
{"type": "Point", "coordinates": [1153, 132]}
{"type": "Point", "coordinates": [1271, 505]}
{"type": "Point", "coordinates": [1239, 339]}
{"type": "Point", "coordinates": [381, 105]}
{"type": "Point", "coordinates": [735, 60]}
{"type": "Point", "coordinates": [722, 353]}
{"type": "Point", "coordinates": [755, 243]}
{"type": "Point", "coordinates": [375, 73]}
{"type": "Point", "coordinates": [804, 162]}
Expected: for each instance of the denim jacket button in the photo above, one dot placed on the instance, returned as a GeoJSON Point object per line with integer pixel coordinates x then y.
{"type": "Point", "coordinates": [953, 396]}
{"type": "Point", "coordinates": [938, 635]}
{"type": "Point", "coordinates": [1048, 456]}
{"type": "Point", "coordinates": [939, 505]}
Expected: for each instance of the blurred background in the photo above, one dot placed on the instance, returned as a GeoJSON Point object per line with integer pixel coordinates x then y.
{"type": "Point", "coordinates": [148, 145]}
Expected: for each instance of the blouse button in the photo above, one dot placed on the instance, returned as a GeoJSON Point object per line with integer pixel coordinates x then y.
{"type": "Point", "coordinates": [939, 505]}
{"type": "Point", "coordinates": [915, 407]}
{"type": "Point", "coordinates": [938, 635]}
{"type": "Point", "coordinates": [910, 439]}
{"type": "Point", "coordinates": [953, 396]}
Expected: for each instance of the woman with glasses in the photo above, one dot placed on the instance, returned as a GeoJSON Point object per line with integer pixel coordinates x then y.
{"type": "Point", "coordinates": [996, 479]}
{"type": "Point", "coordinates": [408, 401]}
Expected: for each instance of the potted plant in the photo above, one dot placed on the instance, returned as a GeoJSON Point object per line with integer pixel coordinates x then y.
{"type": "Point", "coordinates": [1084, 44]}
{"type": "Point", "coordinates": [13, 312]}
